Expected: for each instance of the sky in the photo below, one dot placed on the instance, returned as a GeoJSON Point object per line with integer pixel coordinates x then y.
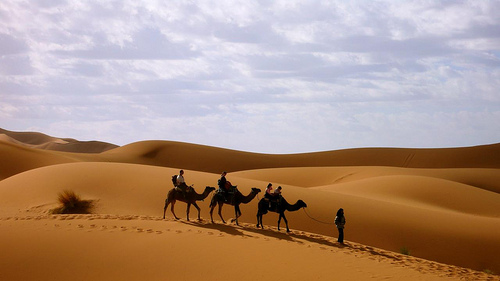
{"type": "Point", "coordinates": [279, 76]}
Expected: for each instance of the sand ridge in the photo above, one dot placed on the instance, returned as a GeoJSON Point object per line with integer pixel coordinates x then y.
{"type": "Point", "coordinates": [43, 141]}
{"type": "Point", "coordinates": [447, 211]}
{"type": "Point", "coordinates": [128, 189]}
{"type": "Point", "coordinates": [378, 264]}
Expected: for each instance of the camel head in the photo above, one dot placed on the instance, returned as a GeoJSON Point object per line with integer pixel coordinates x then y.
{"type": "Point", "coordinates": [209, 188]}
{"type": "Point", "coordinates": [255, 190]}
{"type": "Point", "coordinates": [302, 204]}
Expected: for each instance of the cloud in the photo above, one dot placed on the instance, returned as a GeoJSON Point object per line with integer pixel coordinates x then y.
{"type": "Point", "coordinates": [281, 76]}
{"type": "Point", "coordinates": [146, 44]}
{"type": "Point", "coordinates": [11, 45]}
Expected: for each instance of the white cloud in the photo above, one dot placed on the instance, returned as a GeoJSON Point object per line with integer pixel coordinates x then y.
{"type": "Point", "coordinates": [283, 76]}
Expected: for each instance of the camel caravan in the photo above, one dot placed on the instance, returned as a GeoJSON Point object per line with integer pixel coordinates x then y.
{"type": "Point", "coordinates": [229, 194]}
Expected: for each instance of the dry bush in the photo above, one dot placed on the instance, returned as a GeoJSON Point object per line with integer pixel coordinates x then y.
{"type": "Point", "coordinates": [71, 203]}
{"type": "Point", "coordinates": [405, 251]}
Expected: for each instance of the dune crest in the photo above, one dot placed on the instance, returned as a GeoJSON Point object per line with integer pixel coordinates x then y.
{"type": "Point", "coordinates": [215, 160]}
{"type": "Point", "coordinates": [443, 205]}
{"type": "Point", "coordinates": [43, 141]}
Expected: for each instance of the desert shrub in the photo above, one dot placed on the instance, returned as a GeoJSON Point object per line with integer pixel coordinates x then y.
{"type": "Point", "coordinates": [404, 250]}
{"type": "Point", "coordinates": [487, 271]}
{"type": "Point", "coordinates": [71, 203]}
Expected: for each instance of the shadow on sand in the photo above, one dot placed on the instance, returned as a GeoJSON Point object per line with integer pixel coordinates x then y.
{"type": "Point", "coordinates": [244, 229]}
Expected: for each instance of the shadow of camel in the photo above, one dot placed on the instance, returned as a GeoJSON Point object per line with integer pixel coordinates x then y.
{"type": "Point", "coordinates": [296, 236]}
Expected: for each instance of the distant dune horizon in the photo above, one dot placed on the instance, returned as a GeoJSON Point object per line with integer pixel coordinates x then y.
{"type": "Point", "coordinates": [441, 205]}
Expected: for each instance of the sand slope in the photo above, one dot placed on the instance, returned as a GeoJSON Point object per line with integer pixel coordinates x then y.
{"type": "Point", "coordinates": [446, 212]}
{"type": "Point", "coordinates": [213, 159]}
{"type": "Point", "coordinates": [107, 247]}
{"type": "Point", "coordinates": [43, 141]}
{"type": "Point", "coordinates": [386, 212]}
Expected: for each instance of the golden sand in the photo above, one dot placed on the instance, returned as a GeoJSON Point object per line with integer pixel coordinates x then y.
{"type": "Point", "coordinates": [440, 205]}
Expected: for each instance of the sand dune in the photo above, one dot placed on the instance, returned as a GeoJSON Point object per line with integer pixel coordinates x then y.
{"type": "Point", "coordinates": [43, 141]}
{"type": "Point", "coordinates": [213, 159]}
{"type": "Point", "coordinates": [447, 214]}
{"type": "Point", "coordinates": [146, 248]}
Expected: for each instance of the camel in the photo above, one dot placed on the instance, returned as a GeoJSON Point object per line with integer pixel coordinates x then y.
{"type": "Point", "coordinates": [218, 199]}
{"type": "Point", "coordinates": [280, 208]}
{"type": "Point", "coordinates": [191, 198]}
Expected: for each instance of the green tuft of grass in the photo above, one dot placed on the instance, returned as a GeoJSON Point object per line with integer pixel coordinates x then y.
{"type": "Point", "coordinates": [487, 271]}
{"type": "Point", "coordinates": [405, 251]}
{"type": "Point", "coordinates": [71, 203]}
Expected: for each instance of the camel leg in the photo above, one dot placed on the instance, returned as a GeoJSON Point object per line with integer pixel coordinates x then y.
{"type": "Point", "coordinates": [220, 212]}
{"type": "Point", "coordinates": [259, 220]}
{"type": "Point", "coordinates": [211, 213]}
{"type": "Point", "coordinates": [197, 208]}
{"type": "Point", "coordinates": [279, 221]}
{"type": "Point", "coordinates": [237, 214]}
{"type": "Point", "coordinates": [165, 208]}
{"type": "Point", "coordinates": [286, 222]}
{"type": "Point", "coordinates": [172, 210]}
{"type": "Point", "coordinates": [187, 210]}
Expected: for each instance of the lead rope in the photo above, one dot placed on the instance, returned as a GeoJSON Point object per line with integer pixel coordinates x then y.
{"type": "Point", "coordinates": [305, 211]}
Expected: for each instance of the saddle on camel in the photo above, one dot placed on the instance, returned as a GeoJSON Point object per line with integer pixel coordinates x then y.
{"type": "Point", "coordinates": [274, 202]}
{"type": "Point", "coordinates": [273, 198]}
{"type": "Point", "coordinates": [182, 188]}
{"type": "Point", "coordinates": [228, 192]}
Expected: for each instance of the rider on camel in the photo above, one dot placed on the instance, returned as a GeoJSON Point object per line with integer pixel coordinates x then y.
{"type": "Point", "coordinates": [181, 184]}
{"type": "Point", "coordinates": [269, 191]}
{"type": "Point", "coordinates": [272, 196]}
{"type": "Point", "coordinates": [223, 185]}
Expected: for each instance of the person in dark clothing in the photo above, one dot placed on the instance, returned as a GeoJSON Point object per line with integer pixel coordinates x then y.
{"type": "Point", "coordinates": [277, 192]}
{"type": "Point", "coordinates": [222, 184]}
{"type": "Point", "coordinates": [340, 223]}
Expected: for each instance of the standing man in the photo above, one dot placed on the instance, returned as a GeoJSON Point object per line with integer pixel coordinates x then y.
{"type": "Point", "coordinates": [340, 223]}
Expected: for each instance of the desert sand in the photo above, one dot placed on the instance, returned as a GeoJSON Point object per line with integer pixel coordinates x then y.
{"type": "Point", "coordinates": [439, 206]}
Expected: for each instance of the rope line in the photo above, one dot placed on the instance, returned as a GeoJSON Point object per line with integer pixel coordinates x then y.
{"type": "Point", "coordinates": [305, 211]}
